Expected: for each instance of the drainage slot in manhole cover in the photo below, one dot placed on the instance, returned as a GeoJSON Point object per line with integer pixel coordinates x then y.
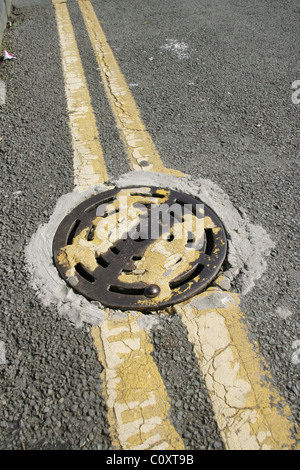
{"type": "Point", "coordinates": [140, 248]}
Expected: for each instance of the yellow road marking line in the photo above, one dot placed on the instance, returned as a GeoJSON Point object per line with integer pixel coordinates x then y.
{"type": "Point", "coordinates": [88, 160]}
{"type": "Point", "coordinates": [136, 397]}
{"type": "Point", "coordinates": [249, 411]}
{"type": "Point", "coordinates": [142, 153]}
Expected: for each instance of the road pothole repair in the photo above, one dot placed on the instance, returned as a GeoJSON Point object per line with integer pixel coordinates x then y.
{"type": "Point", "coordinates": [141, 279]}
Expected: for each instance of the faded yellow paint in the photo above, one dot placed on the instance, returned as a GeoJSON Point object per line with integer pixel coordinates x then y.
{"type": "Point", "coordinates": [164, 261]}
{"type": "Point", "coordinates": [81, 251]}
{"type": "Point", "coordinates": [161, 263]}
{"type": "Point", "coordinates": [249, 410]}
{"type": "Point", "coordinates": [121, 216]}
{"type": "Point", "coordinates": [142, 153]}
{"type": "Point", "coordinates": [88, 160]}
{"type": "Point", "coordinates": [137, 401]}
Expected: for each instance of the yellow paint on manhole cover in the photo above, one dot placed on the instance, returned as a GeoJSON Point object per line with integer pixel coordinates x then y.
{"type": "Point", "coordinates": [140, 248]}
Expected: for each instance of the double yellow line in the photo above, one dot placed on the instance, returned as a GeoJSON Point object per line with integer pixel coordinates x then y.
{"type": "Point", "coordinates": [89, 163]}
{"type": "Point", "coordinates": [248, 410]}
{"type": "Point", "coordinates": [137, 400]}
{"type": "Point", "coordinates": [88, 160]}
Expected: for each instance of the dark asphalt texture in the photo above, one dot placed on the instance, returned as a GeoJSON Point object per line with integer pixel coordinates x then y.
{"type": "Point", "coordinates": [223, 112]}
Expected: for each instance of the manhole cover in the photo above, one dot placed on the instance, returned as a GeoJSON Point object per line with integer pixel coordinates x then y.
{"type": "Point", "coordinates": [140, 248]}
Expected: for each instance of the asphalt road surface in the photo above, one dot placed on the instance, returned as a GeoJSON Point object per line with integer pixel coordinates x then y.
{"type": "Point", "coordinates": [213, 84]}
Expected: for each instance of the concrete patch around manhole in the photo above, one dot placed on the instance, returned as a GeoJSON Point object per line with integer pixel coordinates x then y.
{"type": "Point", "coordinates": [248, 244]}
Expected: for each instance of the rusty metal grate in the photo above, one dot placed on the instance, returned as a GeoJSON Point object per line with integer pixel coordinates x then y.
{"type": "Point", "coordinates": [140, 248]}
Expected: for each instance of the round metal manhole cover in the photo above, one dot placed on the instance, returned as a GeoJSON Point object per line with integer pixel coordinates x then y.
{"type": "Point", "coordinates": [140, 248]}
